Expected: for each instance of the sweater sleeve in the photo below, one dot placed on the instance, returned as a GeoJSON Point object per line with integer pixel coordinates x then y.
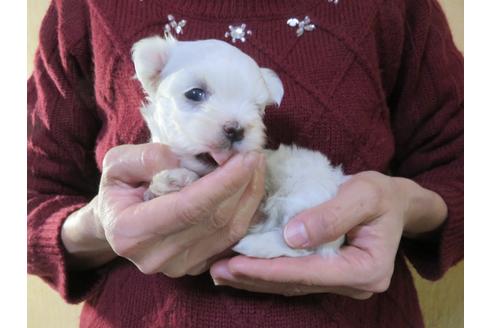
{"type": "Point", "coordinates": [62, 129]}
{"type": "Point", "coordinates": [427, 119]}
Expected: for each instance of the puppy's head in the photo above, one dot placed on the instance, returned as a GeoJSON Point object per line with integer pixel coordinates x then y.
{"type": "Point", "coordinates": [206, 98]}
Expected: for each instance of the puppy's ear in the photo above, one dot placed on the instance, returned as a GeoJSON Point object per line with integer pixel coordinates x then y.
{"type": "Point", "coordinates": [274, 85]}
{"type": "Point", "coordinates": [149, 56]}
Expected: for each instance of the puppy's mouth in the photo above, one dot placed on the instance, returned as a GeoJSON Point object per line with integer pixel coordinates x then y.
{"type": "Point", "coordinates": [206, 159]}
{"type": "Point", "coordinates": [215, 158]}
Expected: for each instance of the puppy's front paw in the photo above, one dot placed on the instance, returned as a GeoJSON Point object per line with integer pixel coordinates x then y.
{"type": "Point", "coordinates": [168, 181]}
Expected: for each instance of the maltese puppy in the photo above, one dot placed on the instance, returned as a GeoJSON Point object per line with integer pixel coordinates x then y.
{"type": "Point", "coordinates": [206, 100]}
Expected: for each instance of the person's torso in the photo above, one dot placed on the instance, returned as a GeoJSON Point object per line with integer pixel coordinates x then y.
{"type": "Point", "coordinates": [337, 78]}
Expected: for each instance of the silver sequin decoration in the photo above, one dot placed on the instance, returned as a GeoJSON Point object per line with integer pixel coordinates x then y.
{"type": "Point", "coordinates": [173, 25]}
{"type": "Point", "coordinates": [304, 25]}
{"type": "Point", "coordinates": [237, 32]}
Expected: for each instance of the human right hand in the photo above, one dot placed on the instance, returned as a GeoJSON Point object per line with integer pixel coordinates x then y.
{"type": "Point", "coordinates": [177, 234]}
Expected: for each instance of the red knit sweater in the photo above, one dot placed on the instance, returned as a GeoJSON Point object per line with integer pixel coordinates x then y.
{"type": "Point", "coordinates": [378, 85]}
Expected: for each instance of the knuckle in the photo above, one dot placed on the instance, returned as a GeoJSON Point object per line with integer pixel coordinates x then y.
{"type": "Point", "coordinates": [326, 224]}
{"type": "Point", "coordinates": [373, 195]}
{"type": "Point", "coordinates": [150, 265]}
{"type": "Point", "coordinates": [174, 272]}
{"type": "Point", "coordinates": [161, 149]}
{"type": "Point", "coordinates": [225, 217]}
{"type": "Point", "coordinates": [370, 175]}
{"type": "Point", "coordinates": [379, 281]}
{"type": "Point", "coordinates": [371, 189]}
{"type": "Point", "coordinates": [161, 264]}
{"type": "Point", "coordinates": [157, 157]}
{"type": "Point", "coordinates": [190, 214]}
{"type": "Point", "coordinates": [381, 286]}
{"type": "Point", "coordinates": [121, 247]}
{"type": "Point", "coordinates": [150, 156]}
{"type": "Point", "coordinates": [112, 155]}
{"type": "Point", "coordinates": [199, 269]}
{"type": "Point", "coordinates": [321, 225]}
{"type": "Point", "coordinates": [147, 269]}
{"type": "Point", "coordinates": [218, 221]}
{"type": "Point", "coordinates": [177, 266]}
{"type": "Point", "coordinates": [116, 233]}
{"type": "Point", "coordinates": [111, 158]}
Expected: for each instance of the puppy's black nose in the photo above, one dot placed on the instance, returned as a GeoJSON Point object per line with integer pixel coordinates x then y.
{"type": "Point", "coordinates": [233, 131]}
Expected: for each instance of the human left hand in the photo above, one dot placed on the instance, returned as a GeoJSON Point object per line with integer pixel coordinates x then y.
{"type": "Point", "coordinates": [373, 210]}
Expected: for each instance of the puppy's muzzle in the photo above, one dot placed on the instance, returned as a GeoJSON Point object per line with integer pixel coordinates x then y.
{"type": "Point", "coordinates": [233, 131]}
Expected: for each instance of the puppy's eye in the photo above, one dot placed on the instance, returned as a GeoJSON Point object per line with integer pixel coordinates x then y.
{"type": "Point", "coordinates": [195, 94]}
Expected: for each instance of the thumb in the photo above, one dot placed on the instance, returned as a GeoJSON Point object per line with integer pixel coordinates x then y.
{"type": "Point", "coordinates": [224, 182]}
{"type": "Point", "coordinates": [330, 220]}
{"type": "Point", "coordinates": [311, 228]}
{"type": "Point", "coordinates": [134, 164]}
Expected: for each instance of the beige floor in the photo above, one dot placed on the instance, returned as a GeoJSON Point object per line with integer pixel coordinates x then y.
{"type": "Point", "coordinates": [442, 302]}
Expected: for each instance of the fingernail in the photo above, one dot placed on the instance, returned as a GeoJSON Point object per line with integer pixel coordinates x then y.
{"type": "Point", "coordinates": [251, 159]}
{"type": "Point", "coordinates": [295, 235]}
{"type": "Point", "coordinates": [221, 272]}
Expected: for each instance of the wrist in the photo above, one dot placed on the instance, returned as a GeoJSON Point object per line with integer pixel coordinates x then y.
{"type": "Point", "coordinates": [83, 239]}
{"type": "Point", "coordinates": [425, 210]}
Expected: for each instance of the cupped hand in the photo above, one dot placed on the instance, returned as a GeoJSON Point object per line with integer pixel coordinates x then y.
{"type": "Point", "coordinates": [178, 233]}
{"type": "Point", "coordinates": [373, 210]}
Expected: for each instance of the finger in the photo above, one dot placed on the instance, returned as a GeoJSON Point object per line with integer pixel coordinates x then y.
{"type": "Point", "coordinates": [291, 289]}
{"type": "Point", "coordinates": [357, 201]}
{"type": "Point", "coordinates": [247, 284]}
{"type": "Point", "coordinates": [223, 277]}
{"type": "Point", "coordinates": [247, 208]}
{"type": "Point", "coordinates": [199, 268]}
{"type": "Point", "coordinates": [350, 267]}
{"type": "Point", "coordinates": [174, 212]}
{"type": "Point", "coordinates": [227, 253]}
{"type": "Point", "coordinates": [212, 189]}
{"type": "Point", "coordinates": [134, 164]}
{"type": "Point", "coordinates": [236, 229]}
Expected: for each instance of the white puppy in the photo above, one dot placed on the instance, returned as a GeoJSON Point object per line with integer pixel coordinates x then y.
{"type": "Point", "coordinates": [206, 100]}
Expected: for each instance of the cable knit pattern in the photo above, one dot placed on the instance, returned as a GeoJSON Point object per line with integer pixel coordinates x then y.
{"type": "Point", "coordinates": [378, 85]}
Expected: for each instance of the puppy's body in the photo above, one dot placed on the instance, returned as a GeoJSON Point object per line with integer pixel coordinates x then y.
{"type": "Point", "coordinates": [296, 179]}
{"type": "Point", "coordinates": [206, 100]}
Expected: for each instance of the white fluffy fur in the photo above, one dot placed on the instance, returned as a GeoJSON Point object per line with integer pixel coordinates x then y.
{"type": "Point", "coordinates": [238, 91]}
{"type": "Point", "coordinates": [297, 179]}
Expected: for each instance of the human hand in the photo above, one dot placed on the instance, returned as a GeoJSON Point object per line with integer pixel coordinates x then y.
{"type": "Point", "coordinates": [373, 210]}
{"type": "Point", "coordinates": [177, 233]}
